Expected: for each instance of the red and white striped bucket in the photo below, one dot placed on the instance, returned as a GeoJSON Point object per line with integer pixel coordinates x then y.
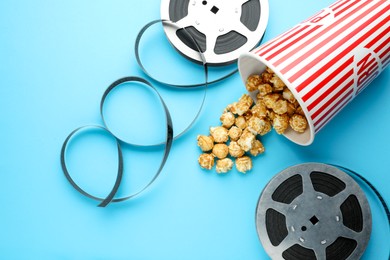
{"type": "Point", "coordinates": [327, 59]}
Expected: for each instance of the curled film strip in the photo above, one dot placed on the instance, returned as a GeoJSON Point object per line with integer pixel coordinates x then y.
{"type": "Point", "coordinates": [315, 211]}
{"type": "Point", "coordinates": [119, 142]}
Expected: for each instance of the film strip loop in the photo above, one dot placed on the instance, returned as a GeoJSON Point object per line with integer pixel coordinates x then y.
{"type": "Point", "coordinates": [167, 147]}
{"type": "Point", "coordinates": [119, 142]}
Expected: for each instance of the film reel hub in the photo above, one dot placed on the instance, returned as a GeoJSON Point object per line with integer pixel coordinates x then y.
{"type": "Point", "coordinates": [223, 29]}
{"type": "Point", "coordinates": [313, 211]}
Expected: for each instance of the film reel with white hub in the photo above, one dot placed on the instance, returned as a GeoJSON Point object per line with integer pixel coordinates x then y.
{"type": "Point", "coordinates": [224, 29]}
{"type": "Point", "coordinates": [313, 211]}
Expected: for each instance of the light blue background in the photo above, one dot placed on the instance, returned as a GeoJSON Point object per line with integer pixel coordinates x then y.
{"type": "Point", "coordinates": [57, 58]}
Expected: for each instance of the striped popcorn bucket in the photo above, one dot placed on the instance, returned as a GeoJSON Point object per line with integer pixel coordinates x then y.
{"type": "Point", "coordinates": [327, 59]}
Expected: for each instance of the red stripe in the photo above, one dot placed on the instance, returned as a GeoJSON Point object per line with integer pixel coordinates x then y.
{"type": "Point", "coordinates": [317, 36]}
{"type": "Point", "coordinates": [332, 99]}
{"type": "Point", "coordinates": [286, 39]}
{"type": "Point", "coordinates": [329, 78]}
{"type": "Point", "coordinates": [329, 91]}
{"type": "Point", "coordinates": [336, 3]}
{"type": "Point", "coordinates": [339, 6]}
{"type": "Point", "coordinates": [378, 38]}
{"type": "Point", "coordinates": [345, 8]}
{"type": "Point", "coordinates": [263, 47]}
{"type": "Point", "coordinates": [383, 54]}
{"type": "Point", "coordinates": [293, 42]}
{"type": "Point", "coordinates": [373, 68]}
{"type": "Point", "coordinates": [333, 48]}
{"type": "Point", "coordinates": [383, 44]}
{"type": "Point", "coordinates": [333, 114]}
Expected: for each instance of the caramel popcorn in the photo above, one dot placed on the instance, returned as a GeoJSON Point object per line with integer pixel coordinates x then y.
{"type": "Point", "coordinates": [235, 133]}
{"type": "Point", "coordinates": [206, 161]}
{"type": "Point", "coordinates": [235, 150]}
{"type": "Point", "coordinates": [270, 99]}
{"type": "Point", "coordinates": [290, 109]}
{"type": "Point", "coordinates": [280, 107]}
{"type": "Point", "coordinates": [259, 110]}
{"type": "Point", "coordinates": [257, 148]}
{"type": "Point", "coordinates": [246, 140]}
{"type": "Point", "coordinates": [244, 164]}
{"type": "Point", "coordinates": [241, 122]}
{"type": "Point", "coordinates": [278, 83]}
{"type": "Point", "coordinates": [243, 104]}
{"type": "Point", "coordinates": [253, 82]}
{"type": "Point", "coordinates": [299, 111]}
{"type": "Point", "coordinates": [264, 89]}
{"type": "Point", "coordinates": [298, 123]}
{"type": "Point", "coordinates": [281, 123]}
{"type": "Point", "coordinates": [220, 150]}
{"type": "Point", "coordinates": [227, 119]}
{"type": "Point", "coordinates": [266, 77]}
{"type": "Point", "coordinates": [219, 133]}
{"type": "Point", "coordinates": [287, 95]}
{"type": "Point", "coordinates": [206, 143]}
{"type": "Point", "coordinates": [224, 165]}
{"type": "Point", "coordinates": [258, 125]}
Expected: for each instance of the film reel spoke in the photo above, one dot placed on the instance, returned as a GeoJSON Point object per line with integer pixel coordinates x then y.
{"type": "Point", "coordinates": [320, 253]}
{"type": "Point", "coordinates": [307, 184]}
{"type": "Point", "coordinates": [281, 207]}
{"type": "Point", "coordinates": [286, 243]}
{"type": "Point", "coordinates": [343, 231]}
{"type": "Point", "coordinates": [211, 41]}
{"type": "Point", "coordinates": [342, 196]}
{"type": "Point", "coordinates": [240, 28]}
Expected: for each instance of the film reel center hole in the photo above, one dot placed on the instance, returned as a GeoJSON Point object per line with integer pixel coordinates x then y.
{"type": "Point", "coordinates": [303, 228]}
{"type": "Point", "coordinates": [214, 9]}
{"type": "Point", "coordinates": [314, 220]}
{"type": "Point", "coordinates": [204, 2]}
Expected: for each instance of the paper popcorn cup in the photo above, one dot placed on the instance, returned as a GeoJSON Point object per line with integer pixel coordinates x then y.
{"type": "Point", "coordinates": [327, 59]}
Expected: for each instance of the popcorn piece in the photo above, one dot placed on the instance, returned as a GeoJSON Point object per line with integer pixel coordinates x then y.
{"type": "Point", "coordinates": [227, 119]}
{"type": "Point", "coordinates": [206, 143]}
{"type": "Point", "coordinates": [206, 161]}
{"type": "Point", "coordinates": [271, 115]}
{"type": "Point", "coordinates": [235, 133]}
{"type": "Point", "coordinates": [258, 125]}
{"type": "Point", "coordinates": [264, 89]}
{"type": "Point", "coordinates": [231, 108]}
{"type": "Point", "coordinates": [246, 140]}
{"type": "Point", "coordinates": [247, 115]}
{"type": "Point", "coordinates": [278, 83]}
{"type": "Point", "coordinates": [290, 109]}
{"type": "Point", "coordinates": [299, 111]}
{"type": "Point", "coordinates": [259, 110]}
{"type": "Point", "coordinates": [257, 148]}
{"type": "Point", "coordinates": [241, 122]}
{"type": "Point", "coordinates": [220, 134]}
{"type": "Point", "coordinates": [266, 126]}
{"type": "Point", "coordinates": [253, 82]}
{"type": "Point", "coordinates": [266, 77]}
{"type": "Point", "coordinates": [298, 123]}
{"type": "Point", "coordinates": [243, 104]}
{"type": "Point", "coordinates": [235, 150]}
{"type": "Point", "coordinates": [220, 150]}
{"type": "Point", "coordinates": [244, 164]}
{"type": "Point", "coordinates": [280, 123]}
{"type": "Point", "coordinates": [287, 95]}
{"type": "Point", "coordinates": [280, 107]}
{"type": "Point", "coordinates": [270, 99]}
{"type": "Point", "coordinates": [224, 165]}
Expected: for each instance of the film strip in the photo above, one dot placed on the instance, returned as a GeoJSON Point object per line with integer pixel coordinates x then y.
{"type": "Point", "coordinates": [251, 20]}
{"type": "Point", "coordinates": [315, 211]}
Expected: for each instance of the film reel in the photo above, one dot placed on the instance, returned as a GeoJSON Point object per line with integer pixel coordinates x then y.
{"type": "Point", "coordinates": [223, 29]}
{"type": "Point", "coordinates": [313, 211]}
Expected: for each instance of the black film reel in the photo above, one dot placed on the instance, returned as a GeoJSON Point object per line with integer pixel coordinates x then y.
{"type": "Point", "coordinates": [313, 211]}
{"type": "Point", "coordinates": [224, 29]}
